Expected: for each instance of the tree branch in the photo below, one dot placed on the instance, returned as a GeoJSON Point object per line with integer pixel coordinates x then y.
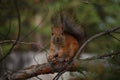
{"type": "Point", "coordinates": [13, 41]}
{"type": "Point", "coordinates": [36, 27]}
{"type": "Point", "coordinates": [92, 38]}
{"type": "Point", "coordinates": [36, 70]}
{"type": "Point", "coordinates": [18, 36]}
{"type": "Point", "coordinates": [84, 45]}
{"type": "Point", "coordinates": [114, 37]}
{"type": "Point", "coordinates": [9, 29]}
{"type": "Point", "coordinates": [46, 68]}
{"type": "Point", "coordinates": [103, 56]}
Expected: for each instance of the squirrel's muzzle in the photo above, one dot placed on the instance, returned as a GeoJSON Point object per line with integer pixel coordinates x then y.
{"type": "Point", "coordinates": [58, 40]}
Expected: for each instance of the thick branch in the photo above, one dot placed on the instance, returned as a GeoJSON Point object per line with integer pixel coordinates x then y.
{"type": "Point", "coordinates": [35, 70]}
{"type": "Point", "coordinates": [46, 68]}
{"type": "Point", "coordinates": [92, 38]}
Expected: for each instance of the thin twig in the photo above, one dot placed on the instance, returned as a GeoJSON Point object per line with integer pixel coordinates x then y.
{"type": "Point", "coordinates": [38, 78]}
{"type": "Point", "coordinates": [58, 75]}
{"type": "Point", "coordinates": [92, 38]}
{"type": "Point", "coordinates": [62, 78]}
{"type": "Point", "coordinates": [44, 48]}
{"type": "Point", "coordinates": [35, 27]}
{"type": "Point", "coordinates": [1, 50]}
{"type": "Point", "coordinates": [9, 29]}
{"type": "Point", "coordinates": [114, 37]}
{"type": "Point", "coordinates": [69, 64]}
{"type": "Point", "coordinates": [103, 56]}
{"type": "Point", "coordinates": [19, 42]}
{"type": "Point", "coordinates": [19, 29]}
{"type": "Point", "coordinates": [1, 34]}
{"type": "Point", "coordinates": [117, 32]}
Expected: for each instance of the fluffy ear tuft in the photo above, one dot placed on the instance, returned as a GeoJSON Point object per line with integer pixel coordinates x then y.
{"type": "Point", "coordinates": [61, 18]}
{"type": "Point", "coordinates": [52, 20]}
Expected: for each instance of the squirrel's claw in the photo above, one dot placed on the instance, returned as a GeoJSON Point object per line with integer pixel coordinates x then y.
{"type": "Point", "coordinates": [51, 58]}
{"type": "Point", "coordinates": [67, 59]}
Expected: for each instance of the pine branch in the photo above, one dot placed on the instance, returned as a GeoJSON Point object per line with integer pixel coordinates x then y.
{"type": "Point", "coordinates": [46, 68]}
{"type": "Point", "coordinates": [32, 71]}
{"type": "Point", "coordinates": [19, 42]}
{"type": "Point", "coordinates": [19, 29]}
{"type": "Point", "coordinates": [103, 56]}
{"type": "Point", "coordinates": [92, 38]}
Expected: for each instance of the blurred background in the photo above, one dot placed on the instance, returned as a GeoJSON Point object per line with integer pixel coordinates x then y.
{"type": "Point", "coordinates": [93, 15]}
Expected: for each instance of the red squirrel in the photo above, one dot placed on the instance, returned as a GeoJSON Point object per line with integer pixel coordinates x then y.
{"type": "Point", "coordinates": [65, 39]}
{"type": "Point", "coordinates": [62, 45]}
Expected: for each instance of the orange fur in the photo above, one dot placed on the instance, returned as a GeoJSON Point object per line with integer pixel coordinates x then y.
{"type": "Point", "coordinates": [62, 45]}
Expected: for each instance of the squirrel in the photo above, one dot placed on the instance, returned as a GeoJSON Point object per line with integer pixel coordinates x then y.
{"type": "Point", "coordinates": [62, 45]}
{"type": "Point", "coordinates": [66, 38]}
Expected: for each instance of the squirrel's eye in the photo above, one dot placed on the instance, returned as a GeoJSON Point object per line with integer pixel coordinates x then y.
{"type": "Point", "coordinates": [62, 33]}
{"type": "Point", "coordinates": [52, 33]}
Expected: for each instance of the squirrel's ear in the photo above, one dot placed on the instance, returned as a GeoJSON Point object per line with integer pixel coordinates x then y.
{"type": "Point", "coordinates": [52, 27]}
{"type": "Point", "coordinates": [61, 18]}
{"type": "Point", "coordinates": [61, 21]}
{"type": "Point", "coordinates": [62, 27]}
{"type": "Point", "coordinates": [52, 20]}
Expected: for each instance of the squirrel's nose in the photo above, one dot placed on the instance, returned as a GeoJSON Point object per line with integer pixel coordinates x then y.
{"type": "Point", "coordinates": [57, 39]}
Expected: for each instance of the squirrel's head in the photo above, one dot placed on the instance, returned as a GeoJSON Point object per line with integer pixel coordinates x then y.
{"type": "Point", "coordinates": [57, 35]}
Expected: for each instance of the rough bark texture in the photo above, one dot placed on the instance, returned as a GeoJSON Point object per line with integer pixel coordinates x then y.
{"type": "Point", "coordinates": [46, 68]}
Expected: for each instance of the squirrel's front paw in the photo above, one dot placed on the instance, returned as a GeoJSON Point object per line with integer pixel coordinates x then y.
{"type": "Point", "coordinates": [67, 59]}
{"type": "Point", "coordinates": [51, 58]}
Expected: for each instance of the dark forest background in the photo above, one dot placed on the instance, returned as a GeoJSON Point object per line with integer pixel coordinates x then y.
{"type": "Point", "coordinates": [94, 15]}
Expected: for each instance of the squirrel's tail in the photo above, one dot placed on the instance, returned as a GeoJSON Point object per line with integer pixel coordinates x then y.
{"type": "Point", "coordinates": [73, 28]}
{"type": "Point", "coordinates": [69, 25]}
